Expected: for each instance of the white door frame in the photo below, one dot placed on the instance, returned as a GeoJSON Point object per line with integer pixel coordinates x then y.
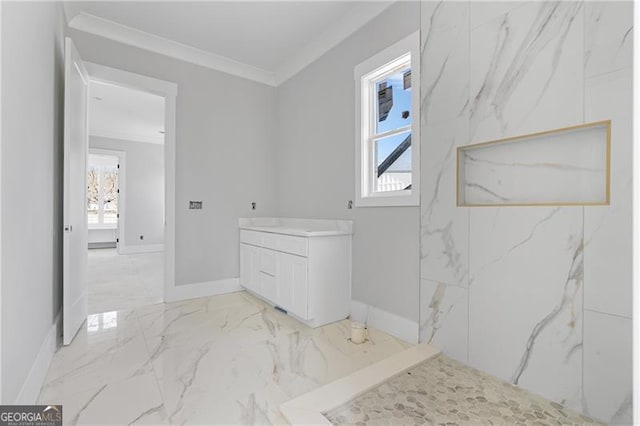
{"type": "Point", "coordinates": [74, 241]}
{"type": "Point", "coordinates": [122, 173]}
{"type": "Point", "coordinates": [168, 91]}
{"type": "Point", "coordinates": [1, 376]}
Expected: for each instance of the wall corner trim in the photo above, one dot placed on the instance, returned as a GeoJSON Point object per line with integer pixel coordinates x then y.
{"type": "Point", "coordinates": [37, 374]}
{"type": "Point", "coordinates": [316, 48]}
{"type": "Point", "coordinates": [327, 40]}
{"type": "Point", "coordinates": [121, 33]}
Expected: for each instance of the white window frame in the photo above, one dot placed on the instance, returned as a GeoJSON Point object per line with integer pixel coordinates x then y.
{"type": "Point", "coordinates": [364, 74]}
{"type": "Point", "coordinates": [119, 226]}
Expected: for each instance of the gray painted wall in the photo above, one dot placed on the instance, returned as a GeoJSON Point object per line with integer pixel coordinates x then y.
{"type": "Point", "coordinates": [316, 161]}
{"type": "Point", "coordinates": [32, 94]}
{"type": "Point", "coordinates": [224, 153]}
{"type": "Point", "coordinates": [144, 189]}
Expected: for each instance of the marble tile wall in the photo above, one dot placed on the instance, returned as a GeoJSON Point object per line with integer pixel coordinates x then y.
{"type": "Point", "coordinates": [539, 296]}
{"type": "Point", "coordinates": [444, 250]}
{"type": "Point", "coordinates": [607, 230]}
{"type": "Point", "coordinates": [562, 167]}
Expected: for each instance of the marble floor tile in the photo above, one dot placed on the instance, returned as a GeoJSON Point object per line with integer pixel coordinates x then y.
{"type": "Point", "coordinates": [125, 281]}
{"type": "Point", "coordinates": [109, 348]}
{"type": "Point", "coordinates": [228, 359]}
{"type": "Point", "coordinates": [135, 400]}
{"type": "Point", "coordinates": [298, 363]}
{"type": "Point", "coordinates": [192, 378]}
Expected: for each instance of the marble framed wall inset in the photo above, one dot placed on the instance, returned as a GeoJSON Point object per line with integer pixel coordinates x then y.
{"type": "Point", "coordinates": [567, 166]}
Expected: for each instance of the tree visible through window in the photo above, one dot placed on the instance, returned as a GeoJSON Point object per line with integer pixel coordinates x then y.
{"type": "Point", "coordinates": [102, 190]}
{"type": "Point", "coordinates": [93, 186]}
{"type": "Point", "coordinates": [110, 195]}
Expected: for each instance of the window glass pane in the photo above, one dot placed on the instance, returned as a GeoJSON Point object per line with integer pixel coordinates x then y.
{"type": "Point", "coordinates": [110, 179]}
{"type": "Point", "coordinates": [393, 163]}
{"type": "Point", "coordinates": [393, 109]}
{"type": "Point", "coordinates": [92, 194]}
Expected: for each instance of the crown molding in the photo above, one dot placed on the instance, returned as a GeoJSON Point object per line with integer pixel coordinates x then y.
{"type": "Point", "coordinates": [143, 40]}
{"type": "Point", "coordinates": [127, 137]}
{"type": "Point", "coordinates": [327, 40]}
{"type": "Point", "coordinates": [320, 45]}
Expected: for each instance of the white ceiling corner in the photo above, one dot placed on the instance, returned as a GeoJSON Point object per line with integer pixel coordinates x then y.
{"type": "Point", "coordinates": [143, 40]}
{"type": "Point", "coordinates": [264, 41]}
{"type": "Point", "coordinates": [118, 112]}
{"type": "Point", "coordinates": [336, 33]}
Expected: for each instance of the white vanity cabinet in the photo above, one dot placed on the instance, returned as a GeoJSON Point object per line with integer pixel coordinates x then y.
{"type": "Point", "coordinates": [292, 284]}
{"type": "Point", "coordinates": [308, 274]}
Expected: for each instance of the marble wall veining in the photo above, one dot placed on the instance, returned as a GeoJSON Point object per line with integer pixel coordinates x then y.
{"type": "Point", "coordinates": [568, 166]}
{"type": "Point", "coordinates": [538, 296]}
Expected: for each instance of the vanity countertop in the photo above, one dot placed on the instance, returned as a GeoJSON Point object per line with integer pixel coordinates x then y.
{"type": "Point", "coordinates": [297, 227]}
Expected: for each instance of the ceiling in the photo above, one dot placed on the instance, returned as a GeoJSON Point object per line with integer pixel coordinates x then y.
{"type": "Point", "coordinates": [267, 41]}
{"type": "Point", "coordinates": [122, 113]}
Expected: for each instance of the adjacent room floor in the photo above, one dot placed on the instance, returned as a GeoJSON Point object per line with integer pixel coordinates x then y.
{"type": "Point", "coordinates": [228, 359]}
{"type": "Point", "coordinates": [124, 281]}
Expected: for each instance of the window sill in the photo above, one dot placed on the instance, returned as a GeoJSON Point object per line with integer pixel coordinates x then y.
{"type": "Point", "coordinates": [103, 227]}
{"type": "Point", "coordinates": [404, 200]}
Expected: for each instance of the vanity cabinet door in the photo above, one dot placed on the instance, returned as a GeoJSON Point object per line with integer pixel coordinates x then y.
{"type": "Point", "coordinates": [249, 267]}
{"type": "Point", "coordinates": [292, 284]}
{"type": "Point", "coordinates": [267, 274]}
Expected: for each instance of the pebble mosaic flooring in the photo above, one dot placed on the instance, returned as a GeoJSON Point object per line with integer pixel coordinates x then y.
{"type": "Point", "coordinates": [445, 392]}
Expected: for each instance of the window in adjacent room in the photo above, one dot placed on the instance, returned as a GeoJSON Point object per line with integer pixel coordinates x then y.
{"type": "Point", "coordinates": [387, 142]}
{"type": "Point", "coordinates": [102, 191]}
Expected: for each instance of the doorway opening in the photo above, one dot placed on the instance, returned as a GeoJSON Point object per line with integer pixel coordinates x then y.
{"type": "Point", "coordinates": [125, 198]}
{"type": "Point", "coordinates": [103, 193]}
{"type": "Point", "coordinates": [78, 112]}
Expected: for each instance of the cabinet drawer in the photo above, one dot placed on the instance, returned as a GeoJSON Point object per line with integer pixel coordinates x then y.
{"type": "Point", "coordinates": [250, 237]}
{"type": "Point", "coordinates": [290, 244]}
{"type": "Point", "coordinates": [267, 287]}
{"type": "Point", "coordinates": [285, 243]}
{"type": "Point", "coordinates": [268, 262]}
{"type": "Point", "coordinates": [268, 240]}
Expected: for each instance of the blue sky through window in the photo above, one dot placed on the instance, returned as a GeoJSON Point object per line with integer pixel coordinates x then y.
{"type": "Point", "coordinates": [401, 103]}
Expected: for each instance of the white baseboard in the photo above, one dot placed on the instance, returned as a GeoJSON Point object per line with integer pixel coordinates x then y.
{"type": "Point", "coordinates": [38, 373]}
{"type": "Point", "coordinates": [149, 248]}
{"type": "Point", "coordinates": [393, 324]}
{"type": "Point", "coordinates": [203, 289]}
{"type": "Point", "coordinates": [92, 246]}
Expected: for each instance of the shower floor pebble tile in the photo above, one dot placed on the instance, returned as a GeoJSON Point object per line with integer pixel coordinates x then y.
{"type": "Point", "coordinates": [444, 391]}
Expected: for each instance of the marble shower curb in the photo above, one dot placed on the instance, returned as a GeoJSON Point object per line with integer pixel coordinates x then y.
{"type": "Point", "coordinates": [308, 408]}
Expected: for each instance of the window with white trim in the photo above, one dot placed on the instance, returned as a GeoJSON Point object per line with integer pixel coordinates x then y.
{"type": "Point", "coordinates": [387, 92]}
{"type": "Point", "coordinates": [102, 191]}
